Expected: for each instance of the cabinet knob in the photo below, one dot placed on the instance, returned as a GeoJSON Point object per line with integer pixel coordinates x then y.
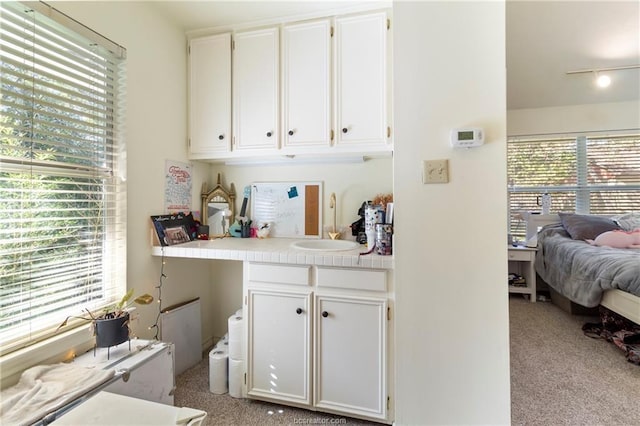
{"type": "Point", "coordinates": [345, 130]}
{"type": "Point", "coordinates": [290, 132]}
{"type": "Point", "coordinates": [221, 137]}
{"type": "Point", "coordinates": [325, 314]}
{"type": "Point", "coordinates": [299, 311]}
{"type": "Point", "coordinates": [269, 134]}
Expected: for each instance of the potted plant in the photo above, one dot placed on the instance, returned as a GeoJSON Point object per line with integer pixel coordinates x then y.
{"type": "Point", "coordinates": [111, 326]}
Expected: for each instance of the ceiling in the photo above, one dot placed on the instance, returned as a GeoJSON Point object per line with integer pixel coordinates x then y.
{"type": "Point", "coordinates": [545, 39]}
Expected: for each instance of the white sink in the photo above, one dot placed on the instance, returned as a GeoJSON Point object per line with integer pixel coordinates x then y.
{"type": "Point", "coordinates": [324, 245]}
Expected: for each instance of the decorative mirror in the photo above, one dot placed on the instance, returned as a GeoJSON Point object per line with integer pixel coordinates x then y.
{"type": "Point", "coordinates": [218, 208]}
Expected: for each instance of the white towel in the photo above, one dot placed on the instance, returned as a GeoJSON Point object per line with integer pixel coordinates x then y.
{"type": "Point", "coordinates": [45, 388]}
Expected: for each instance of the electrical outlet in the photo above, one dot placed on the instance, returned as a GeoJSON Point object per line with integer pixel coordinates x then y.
{"type": "Point", "coordinates": [435, 171]}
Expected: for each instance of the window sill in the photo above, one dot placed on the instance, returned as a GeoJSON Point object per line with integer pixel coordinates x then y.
{"type": "Point", "coordinates": [56, 349]}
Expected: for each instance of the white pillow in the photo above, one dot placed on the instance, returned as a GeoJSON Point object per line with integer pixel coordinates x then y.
{"type": "Point", "coordinates": [628, 221]}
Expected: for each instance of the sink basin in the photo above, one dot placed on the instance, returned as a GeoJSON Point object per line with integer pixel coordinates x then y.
{"type": "Point", "coordinates": [324, 245]}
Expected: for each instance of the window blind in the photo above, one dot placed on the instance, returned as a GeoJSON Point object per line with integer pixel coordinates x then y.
{"type": "Point", "coordinates": [613, 174]}
{"type": "Point", "coordinates": [585, 174]}
{"type": "Point", "coordinates": [62, 192]}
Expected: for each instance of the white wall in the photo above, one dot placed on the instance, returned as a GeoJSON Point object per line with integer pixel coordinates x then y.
{"type": "Point", "coordinates": [452, 347]}
{"type": "Point", "coordinates": [574, 118]}
{"type": "Point", "coordinates": [155, 131]}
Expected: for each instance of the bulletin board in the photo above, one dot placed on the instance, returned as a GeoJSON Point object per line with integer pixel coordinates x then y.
{"type": "Point", "coordinates": [292, 209]}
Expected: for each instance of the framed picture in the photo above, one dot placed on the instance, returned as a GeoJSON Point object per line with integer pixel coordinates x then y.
{"type": "Point", "coordinates": [171, 229]}
{"type": "Point", "coordinates": [176, 235]}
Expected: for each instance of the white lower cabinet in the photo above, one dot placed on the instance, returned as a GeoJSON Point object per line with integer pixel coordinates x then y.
{"type": "Point", "coordinates": [350, 346]}
{"type": "Point", "coordinates": [279, 348]}
{"type": "Point", "coordinates": [315, 343]}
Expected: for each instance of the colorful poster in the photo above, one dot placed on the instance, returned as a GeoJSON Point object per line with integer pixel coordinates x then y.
{"type": "Point", "coordinates": [177, 188]}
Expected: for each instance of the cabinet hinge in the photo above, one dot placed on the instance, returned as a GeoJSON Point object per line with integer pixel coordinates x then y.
{"type": "Point", "coordinates": [245, 378]}
{"type": "Point", "coordinates": [331, 31]}
{"type": "Point", "coordinates": [388, 131]}
{"type": "Point", "coordinates": [388, 313]}
{"type": "Point", "coordinates": [332, 134]}
{"type": "Point", "coordinates": [388, 24]}
{"type": "Point", "coordinates": [233, 45]}
{"type": "Point", "coordinates": [189, 143]}
{"type": "Point", "coordinates": [388, 403]}
{"type": "Point", "coordinates": [188, 50]}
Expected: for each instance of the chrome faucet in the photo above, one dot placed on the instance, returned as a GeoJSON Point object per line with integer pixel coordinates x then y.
{"type": "Point", "coordinates": [335, 235]}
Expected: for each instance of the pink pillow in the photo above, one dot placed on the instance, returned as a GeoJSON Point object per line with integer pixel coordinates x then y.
{"type": "Point", "coordinates": [618, 239]}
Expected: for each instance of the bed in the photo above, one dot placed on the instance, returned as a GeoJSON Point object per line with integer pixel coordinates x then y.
{"type": "Point", "coordinates": [583, 273]}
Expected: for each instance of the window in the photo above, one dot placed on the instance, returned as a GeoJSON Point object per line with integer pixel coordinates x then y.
{"type": "Point", "coordinates": [585, 174]}
{"type": "Point", "coordinates": [62, 192]}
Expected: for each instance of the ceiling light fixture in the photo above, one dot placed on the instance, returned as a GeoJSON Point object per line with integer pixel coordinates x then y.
{"type": "Point", "coordinates": [603, 80]}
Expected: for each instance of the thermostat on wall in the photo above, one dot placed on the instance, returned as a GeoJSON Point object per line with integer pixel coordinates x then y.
{"type": "Point", "coordinates": [467, 138]}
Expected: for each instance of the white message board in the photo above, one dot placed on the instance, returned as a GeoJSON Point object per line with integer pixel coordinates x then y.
{"type": "Point", "coordinates": [292, 209]}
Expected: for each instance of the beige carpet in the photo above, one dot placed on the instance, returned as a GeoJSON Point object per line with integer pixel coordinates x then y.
{"type": "Point", "coordinates": [561, 377]}
{"type": "Point", "coordinates": [558, 377]}
{"type": "Point", "coordinates": [192, 390]}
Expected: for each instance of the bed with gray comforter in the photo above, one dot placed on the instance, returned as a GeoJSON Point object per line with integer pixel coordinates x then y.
{"type": "Point", "coordinates": [582, 272]}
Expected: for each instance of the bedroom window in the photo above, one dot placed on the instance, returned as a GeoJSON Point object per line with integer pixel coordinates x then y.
{"type": "Point", "coordinates": [62, 190]}
{"type": "Point", "coordinates": [584, 174]}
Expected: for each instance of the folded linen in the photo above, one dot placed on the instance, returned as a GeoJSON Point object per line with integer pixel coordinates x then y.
{"type": "Point", "coordinates": [45, 388]}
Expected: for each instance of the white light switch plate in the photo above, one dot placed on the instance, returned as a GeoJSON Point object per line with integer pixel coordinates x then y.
{"type": "Point", "coordinates": [435, 171]}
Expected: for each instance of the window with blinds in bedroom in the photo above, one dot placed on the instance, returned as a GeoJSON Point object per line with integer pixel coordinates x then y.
{"type": "Point", "coordinates": [62, 189]}
{"type": "Point", "coordinates": [584, 174]}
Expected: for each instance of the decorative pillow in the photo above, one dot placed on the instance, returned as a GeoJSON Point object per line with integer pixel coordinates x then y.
{"type": "Point", "coordinates": [617, 239]}
{"type": "Point", "coordinates": [586, 227]}
{"type": "Point", "coordinates": [628, 221]}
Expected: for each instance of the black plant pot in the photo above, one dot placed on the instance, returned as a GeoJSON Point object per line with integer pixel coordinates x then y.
{"type": "Point", "coordinates": [111, 331]}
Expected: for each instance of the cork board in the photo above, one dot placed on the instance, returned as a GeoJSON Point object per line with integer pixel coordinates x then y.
{"type": "Point", "coordinates": [293, 209]}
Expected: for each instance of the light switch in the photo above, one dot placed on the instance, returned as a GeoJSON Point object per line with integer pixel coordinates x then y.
{"type": "Point", "coordinates": [435, 171]}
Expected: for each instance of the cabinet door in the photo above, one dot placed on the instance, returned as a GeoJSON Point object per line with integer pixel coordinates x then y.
{"type": "Point", "coordinates": [350, 355]}
{"type": "Point", "coordinates": [210, 95]}
{"type": "Point", "coordinates": [306, 73]}
{"type": "Point", "coordinates": [361, 80]}
{"type": "Point", "coordinates": [255, 90]}
{"type": "Point", "coordinates": [278, 356]}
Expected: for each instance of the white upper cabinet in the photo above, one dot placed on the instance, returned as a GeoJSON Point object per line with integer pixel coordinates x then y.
{"type": "Point", "coordinates": [313, 87]}
{"type": "Point", "coordinates": [306, 77]}
{"type": "Point", "coordinates": [255, 91]}
{"type": "Point", "coordinates": [361, 117]}
{"type": "Point", "coordinates": [210, 95]}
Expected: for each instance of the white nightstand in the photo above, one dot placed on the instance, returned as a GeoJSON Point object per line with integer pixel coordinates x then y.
{"type": "Point", "coordinates": [521, 261]}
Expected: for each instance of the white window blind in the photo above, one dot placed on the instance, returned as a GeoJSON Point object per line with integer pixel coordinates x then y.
{"type": "Point", "coordinates": [584, 174]}
{"type": "Point", "coordinates": [62, 192]}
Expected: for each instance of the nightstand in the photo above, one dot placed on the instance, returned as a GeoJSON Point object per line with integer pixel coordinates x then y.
{"type": "Point", "coordinates": [521, 261]}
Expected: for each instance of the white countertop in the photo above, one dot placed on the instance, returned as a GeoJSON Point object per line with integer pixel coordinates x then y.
{"type": "Point", "coordinates": [273, 250]}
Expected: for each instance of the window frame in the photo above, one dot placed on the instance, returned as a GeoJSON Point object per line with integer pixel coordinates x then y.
{"type": "Point", "coordinates": [582, 190]}
{"type": "Point", "coordinates": [109, 167]}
